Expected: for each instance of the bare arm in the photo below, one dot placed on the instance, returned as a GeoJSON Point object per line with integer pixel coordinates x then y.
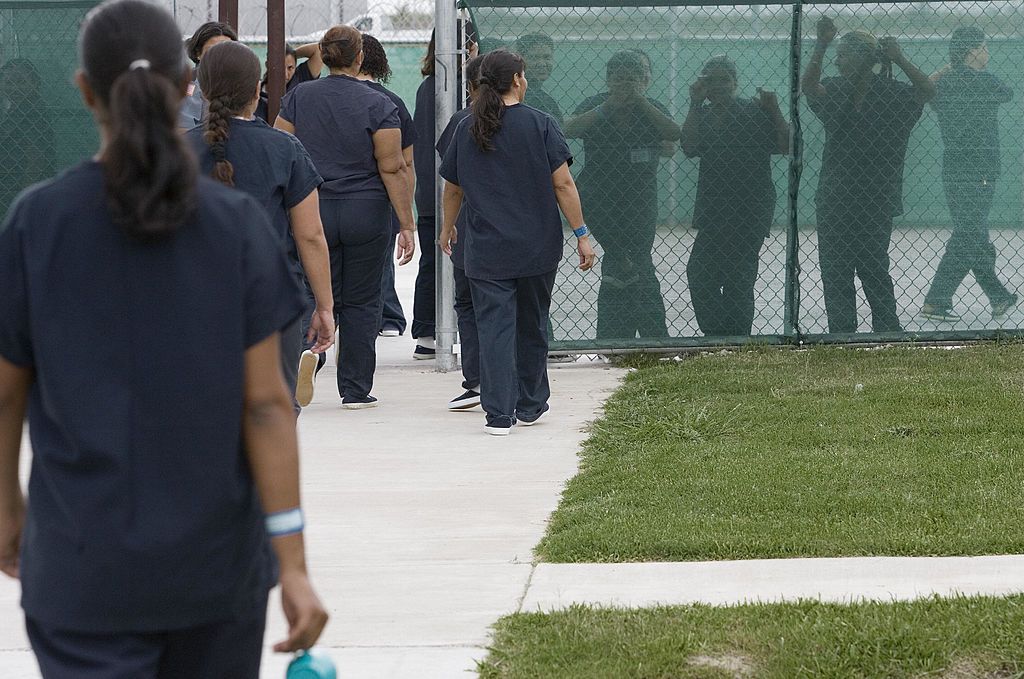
{"type": "Point", "coordinates": [666, 127]}
{"type": "Point", "coordinates": [268, 426]}
{"type": "Point", "coordinates": [308, 231]}
{"type": "Point", "coordinates": [810, 84]}
{"type": "Point", "coordinates": [314, 57]}
{"type": "Point", "coordinates": [282, 124]}
{"type": "Point", "coordinates": [924, 87]}
{"type": "Point", "coordinates": [568, 198]}
{"type": "Point", "coordinates": [14, 387]}
{"type": "Point", "coordinates": [452, 201]}
{"type": "Point", "coordinates": [769, 102]}
{"type": "Point", "coordinates": [394, 172]}
{"type": "Point", "coordinates": [578, 125]}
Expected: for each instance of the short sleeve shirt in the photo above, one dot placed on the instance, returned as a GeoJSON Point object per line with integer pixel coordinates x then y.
{"type": "Point", "coordinates": [967, 102]}
{"type": "Point", "coordinates": [143, 514]}
{"type": "Point", "coordinates": [622, 154]}
{"type": "Point", "coordinates": [191, 112]}
{"type": "Point", "coordinates": [865, 147]}
{"type": "Point", "coordinates": [404, 117]}
{"type": "Point", "coordinates": [540, 99]}
{"type": "Point", "coordinates": [734, 186]}
{"type": "Point", "coordinates": [514, 228]}
{"type": "Point", "coordinates": [272, 167]}
{"type": "Point", "coordinates": [335, 118]}
{"type": "Point", "coordinates": [458, 258]}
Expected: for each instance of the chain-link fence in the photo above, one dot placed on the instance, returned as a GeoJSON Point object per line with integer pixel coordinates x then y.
{"type": "Point", "coordinates": [883, 202]}
{"type": "Point", "coordinates": [43, 125]}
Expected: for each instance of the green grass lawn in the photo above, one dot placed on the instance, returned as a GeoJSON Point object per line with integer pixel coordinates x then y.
{"type": "Point", "coordinates": [961, 638]}
{"type": "Point", "coordinates": [826, 452]}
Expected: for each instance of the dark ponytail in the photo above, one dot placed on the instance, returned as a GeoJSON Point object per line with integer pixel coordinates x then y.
{"type": "Point", "coordinates": [228, 76]}
{"type": "Point", "coordinates": [150, 174]}
{"type": "Point", "coordinates": [497, 74]}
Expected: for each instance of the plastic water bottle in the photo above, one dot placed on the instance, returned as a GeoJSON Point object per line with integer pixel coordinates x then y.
{"type": "Point", "coordinates": [312, 664]}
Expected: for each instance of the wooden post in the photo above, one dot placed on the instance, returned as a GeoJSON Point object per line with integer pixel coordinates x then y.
{"type": "Point", "coordinates": [227, 12]}
{"type": "Point", "coordinates": [275, 57]}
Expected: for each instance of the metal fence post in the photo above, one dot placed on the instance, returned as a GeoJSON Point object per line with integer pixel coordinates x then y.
{"type": "Point", "coordinates": [791, 314]}
{"type": "Point", "coordinates": [445, 93]}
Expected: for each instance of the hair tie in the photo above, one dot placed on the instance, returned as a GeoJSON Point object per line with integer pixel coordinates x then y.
{"type": "Point", "coordinates": [484, 80]}
{"type": "Point", "coordinates": [139, 63]}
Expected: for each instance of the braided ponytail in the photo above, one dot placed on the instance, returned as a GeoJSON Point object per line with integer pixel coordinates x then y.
{"type": "Point", "coordinates": [229, 76]}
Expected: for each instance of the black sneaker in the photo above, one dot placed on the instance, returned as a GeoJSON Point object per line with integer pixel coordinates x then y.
{"type": "Point", "coordinates": [999, 309]}
{"type": "Point", "coordinates": [353, 403]}
{"type": "Point", "coordinates": [469, 399]}
{"type": "Point", "coordinates": [936, 312]}
{"type": "Point", "coordinates": [421, 353]}
{"type": "Point", "coordinates": [496, 429]}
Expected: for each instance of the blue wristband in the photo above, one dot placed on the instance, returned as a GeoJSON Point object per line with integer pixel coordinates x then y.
{"type": "Point", "coordinates": [582, 231]}
{"type": "Point", "coordinates": [288, 522]}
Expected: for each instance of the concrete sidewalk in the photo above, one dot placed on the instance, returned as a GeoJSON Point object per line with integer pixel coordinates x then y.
{"type": "Point", "coordinates": [421, 526]}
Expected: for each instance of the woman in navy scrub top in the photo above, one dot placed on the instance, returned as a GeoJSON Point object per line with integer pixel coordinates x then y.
{"type": "Point", "coordinates": [241, 150]}
{"type": "Point", "coordinates": [510, 163]}
{"type": "Point", "coordinates": [144, 546]}
{"type": "Point", "coordinates": [376, 72]}
{"type": "Point", "coordinates": [354, 136]}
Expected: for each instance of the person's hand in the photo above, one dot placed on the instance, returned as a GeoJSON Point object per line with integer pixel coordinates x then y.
{"type": "Point", "coordinates": [321, 330]}
{"type": "Point", "coordinates": [767, 100]}
{"type": "Point", "coordinates": [12, 521]}
{"type": "Point", "coordinates": [587, 255]}
{"type": "Point", "coordinates": [473, 49]}
{"type": "Point", "coordinates": [890, 48]}
{"type": "Point", "coordinates": [698, 91]}
{"type": "Point", "coordinates": [826, 31]}
{"type": "Point", "coordinates": [305, 614]}
{"type": "Point", "coordinates": [941, 72]}
{"type": "Point", "coordinates": [406, 246]}
{"type": "Point", "coordinates": [448, 237]}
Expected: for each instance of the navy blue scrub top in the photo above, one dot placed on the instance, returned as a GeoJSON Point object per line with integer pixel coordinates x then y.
{"type": "Point", "coordinates": [458, 254]}
{"type": "Point", "coordinates": [272, 167]}
{"type": "Point", "coordinates": [515, 230]}
{"type": "Point", "coordinates": [335, 119]}
{"type": "Point", "coordinates": [423, 160]}
{"type": "Point", "coordinates": [142, 513]}
{"type": "Point", "coordinates": [408, 133]}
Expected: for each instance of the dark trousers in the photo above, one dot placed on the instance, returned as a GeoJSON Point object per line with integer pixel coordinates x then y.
{"type": "Point", "coordinates": [629, 302]}
{"type": "Point", "coordinates": [969, 249]}
{"type": "Point", "coordinates": [423, 309]}
{"type": "Point", "coordinates": [358, 233]}
{"type": "Point", "coordinates": [392, 316]}
{"type": "Point", "coordinates": [292, 345]}
{"type": "Point", "coordinates": [512, 320]}
{"type": "Point", "coordinates": [721, 274]}
{"type": "Point", "coordinates": [853, 240]}
{"type": "Point", "coordinates": [468, 336]}
{"type": "Point", "coordinates": [227, 650]}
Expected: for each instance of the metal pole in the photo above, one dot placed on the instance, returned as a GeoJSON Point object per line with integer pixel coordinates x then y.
{"type": "Point", "coordinates": [445, 98]}
{"type": "Point", "coordinates": [275, 58]}
{"type": "Point", "coordinates": [791, 316]}
{"type": "Point", "coordinates": [227, 12]}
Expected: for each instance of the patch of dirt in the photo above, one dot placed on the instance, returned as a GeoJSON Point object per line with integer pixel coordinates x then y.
{"type": "Point", "coordinates": [740, 667]}
{"type": "Point", "coordinates": [969, 669]}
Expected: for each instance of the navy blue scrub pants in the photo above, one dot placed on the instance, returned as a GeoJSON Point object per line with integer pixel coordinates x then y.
{"type": "Point", "coordinates": [423, 307]}
{"type": "Point", "coordinates": [969, 249]}
{"type": "Point", "coordinates": [226, 650]}
{"type": "Point", "coordinates": [853, 240]}
{"type": "Point", "coordinates": [721, 274]}
{"type": "Point", "coordinates": [469, 337]}
{"type": "Point", "coordinates": [293, 343]}
{"type": "Point", "coordinates": [512, 322]}
{"type": "Point", "coordinates": [629, 301]}
{"type": "Point", "coordinates": [358, 233]}
{"type": "Point", "coordinates": [392, 316]}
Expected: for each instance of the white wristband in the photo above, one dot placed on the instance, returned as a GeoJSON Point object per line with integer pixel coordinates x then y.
{"type": "Point", "coordinates": [288, 522]}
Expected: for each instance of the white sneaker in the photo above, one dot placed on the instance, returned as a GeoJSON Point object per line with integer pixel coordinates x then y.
{"type": "Point", "coordinates": [389, 332]}
{"type": "Point", "coordinates": [307, 378]}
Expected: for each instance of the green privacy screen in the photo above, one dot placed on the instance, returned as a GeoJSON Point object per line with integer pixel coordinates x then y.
{"type": "Point", "coordinates": [44, 127]}
{"type": "Point", "coordinates": [876, 216]}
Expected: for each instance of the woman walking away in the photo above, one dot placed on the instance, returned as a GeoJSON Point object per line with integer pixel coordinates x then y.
{"type": "Point", "coordinates": [967, 100]}
{"type": "Point", "coordinates": [511, 164]}
{"type": "Point", "coordinates": [160, 482]}
{"type": "Point", "coordinates": [868, 119]}
{"type": "Point", "coordinates": [376, 72]}
{"type": "Point", "coordinates": [242, 151]}
{"type": "Point", "coordinates": [734, 139]}
{"type": "Point", "coordinates": [353, 135]}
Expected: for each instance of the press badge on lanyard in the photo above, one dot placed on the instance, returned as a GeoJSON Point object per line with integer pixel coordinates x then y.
{"type": "Point", "coordinates": [640, 156]}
